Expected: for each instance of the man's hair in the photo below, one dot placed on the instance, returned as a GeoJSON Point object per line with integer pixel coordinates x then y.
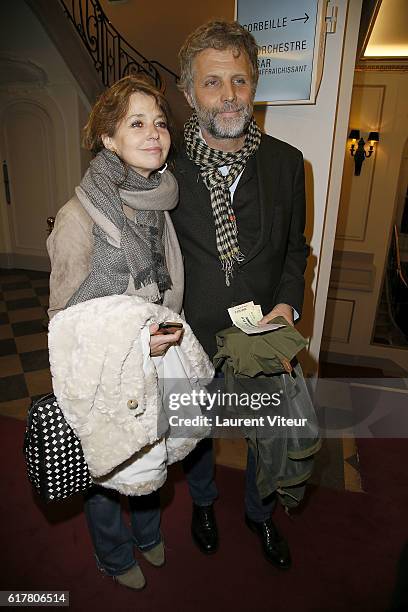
{"type": "Point", "coordinates": [218, 35]}
{"type": "Point", "coordinates": [112, 106]}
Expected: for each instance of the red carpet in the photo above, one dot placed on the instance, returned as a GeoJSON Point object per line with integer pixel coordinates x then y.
{"type": "Point", "coordinates": [345, 546]}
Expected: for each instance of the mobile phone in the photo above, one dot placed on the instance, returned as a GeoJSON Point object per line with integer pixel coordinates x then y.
{"type": "Point", "coordinates": [169, 327]}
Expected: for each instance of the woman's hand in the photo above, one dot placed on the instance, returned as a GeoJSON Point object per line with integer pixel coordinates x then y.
{"type": "Point", "coordinates": [159, 343]}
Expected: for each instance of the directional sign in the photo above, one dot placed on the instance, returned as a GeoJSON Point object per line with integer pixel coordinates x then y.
{"type": "Point", "coordinates": [291, 38]}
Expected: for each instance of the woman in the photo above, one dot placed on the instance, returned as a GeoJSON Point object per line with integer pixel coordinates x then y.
{"type": "Point", "coordinates": [115, 237]}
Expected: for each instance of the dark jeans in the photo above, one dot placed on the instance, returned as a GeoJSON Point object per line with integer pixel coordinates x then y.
{"type": "Point", "coordinates": [199, 469]}
{"type": "Point", "coordinates": [112, 539]}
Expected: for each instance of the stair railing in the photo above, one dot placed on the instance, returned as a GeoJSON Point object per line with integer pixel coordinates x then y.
{"type": "Point", "coordinates": [112, 55]}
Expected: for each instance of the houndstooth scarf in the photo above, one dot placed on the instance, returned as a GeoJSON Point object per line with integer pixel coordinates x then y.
{"type": "Point", "coordinates": [210, 160]}
{"type": "Point", "coordinates": [125, 249]}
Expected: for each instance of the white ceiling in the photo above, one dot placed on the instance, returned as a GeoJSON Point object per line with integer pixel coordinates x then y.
{"type": "Point", "coordinates": [389, 37]}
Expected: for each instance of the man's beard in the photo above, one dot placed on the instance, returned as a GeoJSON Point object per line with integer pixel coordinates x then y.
{"type": "Point", "coordinates": [224, 127]}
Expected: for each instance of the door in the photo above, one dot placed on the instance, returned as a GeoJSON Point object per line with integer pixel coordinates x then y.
{"type": "Point", "coordinates": [28, 152]}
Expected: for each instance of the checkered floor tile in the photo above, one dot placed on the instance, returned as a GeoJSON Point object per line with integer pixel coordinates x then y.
{"type": "Point", "coordinates": [24, 367]}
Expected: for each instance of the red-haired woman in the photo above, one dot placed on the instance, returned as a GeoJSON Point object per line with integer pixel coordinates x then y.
{"type": "Point", "coordinates": [115, 237]}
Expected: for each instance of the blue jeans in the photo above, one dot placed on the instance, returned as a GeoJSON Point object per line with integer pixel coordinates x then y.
{"type": "Point", "coordinates": [199, 470]}
{"type": "Point", "coordinates": [112, 539]}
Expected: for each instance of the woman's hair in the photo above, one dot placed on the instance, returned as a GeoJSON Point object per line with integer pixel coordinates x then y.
{"type": "Point", "coordinates": [112, 106]}
{"type": "Point", "coordinates": [218, 35]}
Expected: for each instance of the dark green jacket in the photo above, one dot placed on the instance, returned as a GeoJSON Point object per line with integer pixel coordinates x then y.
{"type": "Point", "coordinates": [253, 364]}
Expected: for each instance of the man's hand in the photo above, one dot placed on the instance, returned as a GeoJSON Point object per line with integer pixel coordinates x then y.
{"type": "Point", "coordinates": [159, 343]}
{"type": "Point", "coordinates": [280, 310]}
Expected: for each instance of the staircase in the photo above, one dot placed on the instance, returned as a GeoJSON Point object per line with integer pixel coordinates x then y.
{"type": "Point", "coordinates": [112, 55]}
{"type": "Point", "coordinates": [386, 329]}
{"type": "Point", "coordinates": [94, 50]}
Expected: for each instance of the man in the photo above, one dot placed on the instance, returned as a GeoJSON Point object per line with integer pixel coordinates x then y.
{"type": "Point", "coordinates": [240, 222]}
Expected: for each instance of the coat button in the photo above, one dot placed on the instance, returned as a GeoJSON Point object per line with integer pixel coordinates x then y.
{"type": "Point", "coordinates": [132, 403]}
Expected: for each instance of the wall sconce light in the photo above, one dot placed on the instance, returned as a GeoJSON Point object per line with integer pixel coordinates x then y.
{"type": "Point", "coordinates": [360, 154]}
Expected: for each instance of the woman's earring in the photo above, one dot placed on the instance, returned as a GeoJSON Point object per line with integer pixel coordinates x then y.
{"type": "Point", "coordinates": [107, 143]}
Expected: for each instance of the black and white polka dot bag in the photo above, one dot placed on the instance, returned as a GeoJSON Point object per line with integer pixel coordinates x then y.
{"type": "Point", "coordinates": [56, 465]}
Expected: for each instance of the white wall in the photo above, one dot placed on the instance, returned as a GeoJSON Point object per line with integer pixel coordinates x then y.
{"type": "Point", "coordinates": [368, 208]}
{"type": "Point", "coordinates": [319, 131]}
{"type": "Point", "coordinates": [23, 38]}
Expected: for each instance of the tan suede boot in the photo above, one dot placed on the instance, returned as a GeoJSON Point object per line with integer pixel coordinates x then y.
{"type": "Point", "coordinates": [155, 555]}
{"type": "Point", "coordinates": [133, 578]}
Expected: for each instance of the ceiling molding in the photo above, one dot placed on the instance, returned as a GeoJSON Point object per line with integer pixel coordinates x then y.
{"type": "Point", "coordinates": [369, 12]}
{"type": "Point", "coordinates": [382, 66]}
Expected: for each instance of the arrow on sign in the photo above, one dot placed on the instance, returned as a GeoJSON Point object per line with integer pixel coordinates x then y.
{"type": "Point", "coordinates": [304, 19]}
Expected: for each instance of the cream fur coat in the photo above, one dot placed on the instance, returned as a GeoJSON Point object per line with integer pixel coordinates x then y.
{"type": "Point", "coordinates": [108, 388]}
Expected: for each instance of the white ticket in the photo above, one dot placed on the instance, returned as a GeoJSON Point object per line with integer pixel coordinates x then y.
{"type": "Point", "coordinates": [246, 317]}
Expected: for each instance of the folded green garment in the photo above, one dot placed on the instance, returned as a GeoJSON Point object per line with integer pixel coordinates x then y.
{"type": "Point", "coordinates": [264, 353]}
{"type": "Point", "coordinates": [256, 363]}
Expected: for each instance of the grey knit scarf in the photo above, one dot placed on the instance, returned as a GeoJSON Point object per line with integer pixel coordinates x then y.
{"type": "Point", "coordinates": [125, 249]}
{"type": "Point", "coordinates": [209, 160]}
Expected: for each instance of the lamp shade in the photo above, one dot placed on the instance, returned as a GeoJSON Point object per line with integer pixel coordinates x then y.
{"type": "Point", "coordinates": [374, 137]}
{"type": "Point", "coordinates": [354, 134]}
